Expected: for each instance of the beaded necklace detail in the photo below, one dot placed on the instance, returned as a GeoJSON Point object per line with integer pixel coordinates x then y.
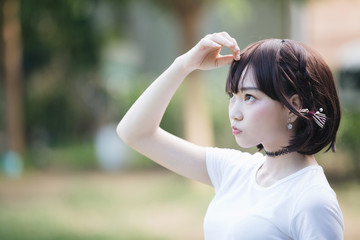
{"type": "Point", "coordinates": [277, 153]}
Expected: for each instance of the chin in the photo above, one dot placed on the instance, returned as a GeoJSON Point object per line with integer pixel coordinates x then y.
{"type": "Point", "coordinates": [245, 145]}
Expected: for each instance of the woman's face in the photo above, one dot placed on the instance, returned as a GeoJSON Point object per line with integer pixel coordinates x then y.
{"type": "Point", "coordinates": [256, 118]}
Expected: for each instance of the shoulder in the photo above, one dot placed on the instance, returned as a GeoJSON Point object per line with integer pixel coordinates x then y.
{"type": "Point", "coordinates": [224, 158]}
{"type": "Point", "coordinates": [222, 163]}
{"type": "Point", "coordinates": [232, 155]}
{"type": "Point", "coordinates": [316, 199]}
{"type": "Point", "coordinates": [315, 191]}
{"type": "Point", "coordinates": [317, 214]}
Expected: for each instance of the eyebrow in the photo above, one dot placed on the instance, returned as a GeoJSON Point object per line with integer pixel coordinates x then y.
{"type": "Point", "coordinates": [249, 88]}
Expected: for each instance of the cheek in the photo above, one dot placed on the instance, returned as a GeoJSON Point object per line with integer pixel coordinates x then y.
{"type": "Point", "coordinates": [267, 116]}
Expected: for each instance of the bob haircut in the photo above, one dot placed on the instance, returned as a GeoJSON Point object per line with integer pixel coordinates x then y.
{"type": "Point", "coordinates": [283, 68]}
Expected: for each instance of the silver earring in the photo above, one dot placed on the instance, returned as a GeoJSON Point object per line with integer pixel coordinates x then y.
{"type": "Point", "coordinates": [289, 126]}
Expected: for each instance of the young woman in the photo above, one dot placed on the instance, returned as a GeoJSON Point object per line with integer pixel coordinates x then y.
{"type": "Point", "coordinates": [283, 100]}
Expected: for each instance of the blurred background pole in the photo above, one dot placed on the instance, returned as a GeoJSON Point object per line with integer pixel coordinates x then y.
{"type": "Point", "coordinates": [197, 124]}
{"type": "Point", "coordinates": [13, 75]}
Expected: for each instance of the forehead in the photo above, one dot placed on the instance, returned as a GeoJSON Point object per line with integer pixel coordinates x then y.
{"type": "Point", "coordinates": [248, 78]}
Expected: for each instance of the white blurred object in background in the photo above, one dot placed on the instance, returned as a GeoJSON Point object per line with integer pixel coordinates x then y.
{"type": "Point", "coordinates": [111, 152]}
{"type": "Point", "coordinates": [12, 164]}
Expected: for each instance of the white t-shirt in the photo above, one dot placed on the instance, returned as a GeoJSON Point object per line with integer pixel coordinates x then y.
{"type": "Point", "coordinates": [299, 206]}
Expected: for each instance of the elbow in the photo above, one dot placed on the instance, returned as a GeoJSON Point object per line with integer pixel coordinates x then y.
{"type": "Point", "coordinates": [122, 133]}
{"type": "Point", "coordinates": [126, 133]}
{"type": "Point", "coordinates": [118, 130]}
{"type": "Point", "coordinates": [129, 134]}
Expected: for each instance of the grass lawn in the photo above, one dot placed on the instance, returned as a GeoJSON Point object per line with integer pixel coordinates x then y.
{"type": "Point", "coordinates": [129, 205]}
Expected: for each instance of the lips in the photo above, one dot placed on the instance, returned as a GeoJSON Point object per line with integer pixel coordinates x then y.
{"type": "Point", "coordinates": [235, 130]}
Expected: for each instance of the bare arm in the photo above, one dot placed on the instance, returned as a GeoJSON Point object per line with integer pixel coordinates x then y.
{"type": "Point", "coordinates": [140, 129]}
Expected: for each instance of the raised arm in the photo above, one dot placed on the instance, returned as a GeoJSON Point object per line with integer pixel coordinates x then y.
{"type": "Point", "coordinates": [140, 129]}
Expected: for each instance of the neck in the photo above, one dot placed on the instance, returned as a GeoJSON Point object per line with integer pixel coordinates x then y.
{"type": "Point", "coordinates": [278, 167]}
{"type": "Point", "coordinates": [287, 163]}
{"type": "Point", "coordinates": [277, 153]}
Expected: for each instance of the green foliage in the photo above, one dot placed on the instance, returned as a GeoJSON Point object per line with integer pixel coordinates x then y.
{"type": "Point", "coordinates": [71, 156]}
{"type": "Point", "coordinates": [349, 138]}
{"type": "Point", "coordinates": [64, 28]}
{"type": "Point", "coordinates": [60, 49]}
{"type": "Point", "coordinates": [65, 99]}
{"type": "Point", "coordinates": [52, 113]}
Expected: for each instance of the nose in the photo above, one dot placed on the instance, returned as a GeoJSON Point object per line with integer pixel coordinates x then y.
{"type": "Point", "coordinates": [235, 111]}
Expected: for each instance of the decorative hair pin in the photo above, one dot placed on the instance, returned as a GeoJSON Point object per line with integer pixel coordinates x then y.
{"type": "Point", "coordinates": [318, 116]}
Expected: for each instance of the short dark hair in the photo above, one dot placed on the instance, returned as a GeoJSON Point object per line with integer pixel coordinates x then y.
{"type": "Point", "coordinates": [283, 68]}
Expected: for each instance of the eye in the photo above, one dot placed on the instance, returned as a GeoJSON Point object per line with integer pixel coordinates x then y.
{"type": "Point", "coordinates": [249, 98]}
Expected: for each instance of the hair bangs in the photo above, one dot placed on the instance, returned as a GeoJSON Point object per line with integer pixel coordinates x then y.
{"type": "Point", "coordinates": [261, 59]}
{"type": "Point", "coordinates": [239, 69]}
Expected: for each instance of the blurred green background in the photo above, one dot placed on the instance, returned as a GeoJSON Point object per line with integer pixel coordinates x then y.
{"type": "Point", "coordinates": [70, 69]}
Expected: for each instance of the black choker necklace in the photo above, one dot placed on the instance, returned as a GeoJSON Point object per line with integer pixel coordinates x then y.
{"type": "Point", "coordinates": [277, 153]}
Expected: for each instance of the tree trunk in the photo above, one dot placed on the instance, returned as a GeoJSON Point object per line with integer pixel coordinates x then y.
{"type": "Point", "coordinates": [13, 75]}
{"type": "Point", "coordinates": [197, 122]}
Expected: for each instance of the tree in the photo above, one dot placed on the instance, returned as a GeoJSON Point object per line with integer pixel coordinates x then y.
{"type": "Point", "coordinates": [197, 124]}
{"type": "Point", "coordinates": [13, 75]}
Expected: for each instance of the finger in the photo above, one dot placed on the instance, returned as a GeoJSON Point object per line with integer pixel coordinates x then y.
{"type": "Point", "coordinates": [221, 39]}
{"type": "Point", "coordinates": [224, 60]}
{"type": "Point", "coordinates": [226, 40]}
{"type": "Point", "coordinates": [236, 49]}
{"type": "Point", "coordinates": [210, 43]}
{"type": "Point", "coordinates": [225, 34]}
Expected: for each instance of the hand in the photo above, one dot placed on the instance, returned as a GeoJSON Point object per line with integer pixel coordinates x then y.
{"type": "Point", "coordinates": [206, 53]}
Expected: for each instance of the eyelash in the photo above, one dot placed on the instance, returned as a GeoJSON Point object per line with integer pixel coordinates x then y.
{"type": "Point", "coordinates": [247, 97]}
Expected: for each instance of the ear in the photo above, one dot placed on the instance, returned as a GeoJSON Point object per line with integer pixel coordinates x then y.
{"type": "Point", "coordinates": [296, 103]}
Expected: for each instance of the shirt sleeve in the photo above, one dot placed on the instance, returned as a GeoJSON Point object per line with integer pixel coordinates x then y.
{"type": "Point", "coordinates": [222, 162]}
{"type": "Point", "coordinates": [318, 216]}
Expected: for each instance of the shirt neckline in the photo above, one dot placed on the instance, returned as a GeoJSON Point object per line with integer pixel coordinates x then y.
{"type": "Point", "coordinates": [285, 179]}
